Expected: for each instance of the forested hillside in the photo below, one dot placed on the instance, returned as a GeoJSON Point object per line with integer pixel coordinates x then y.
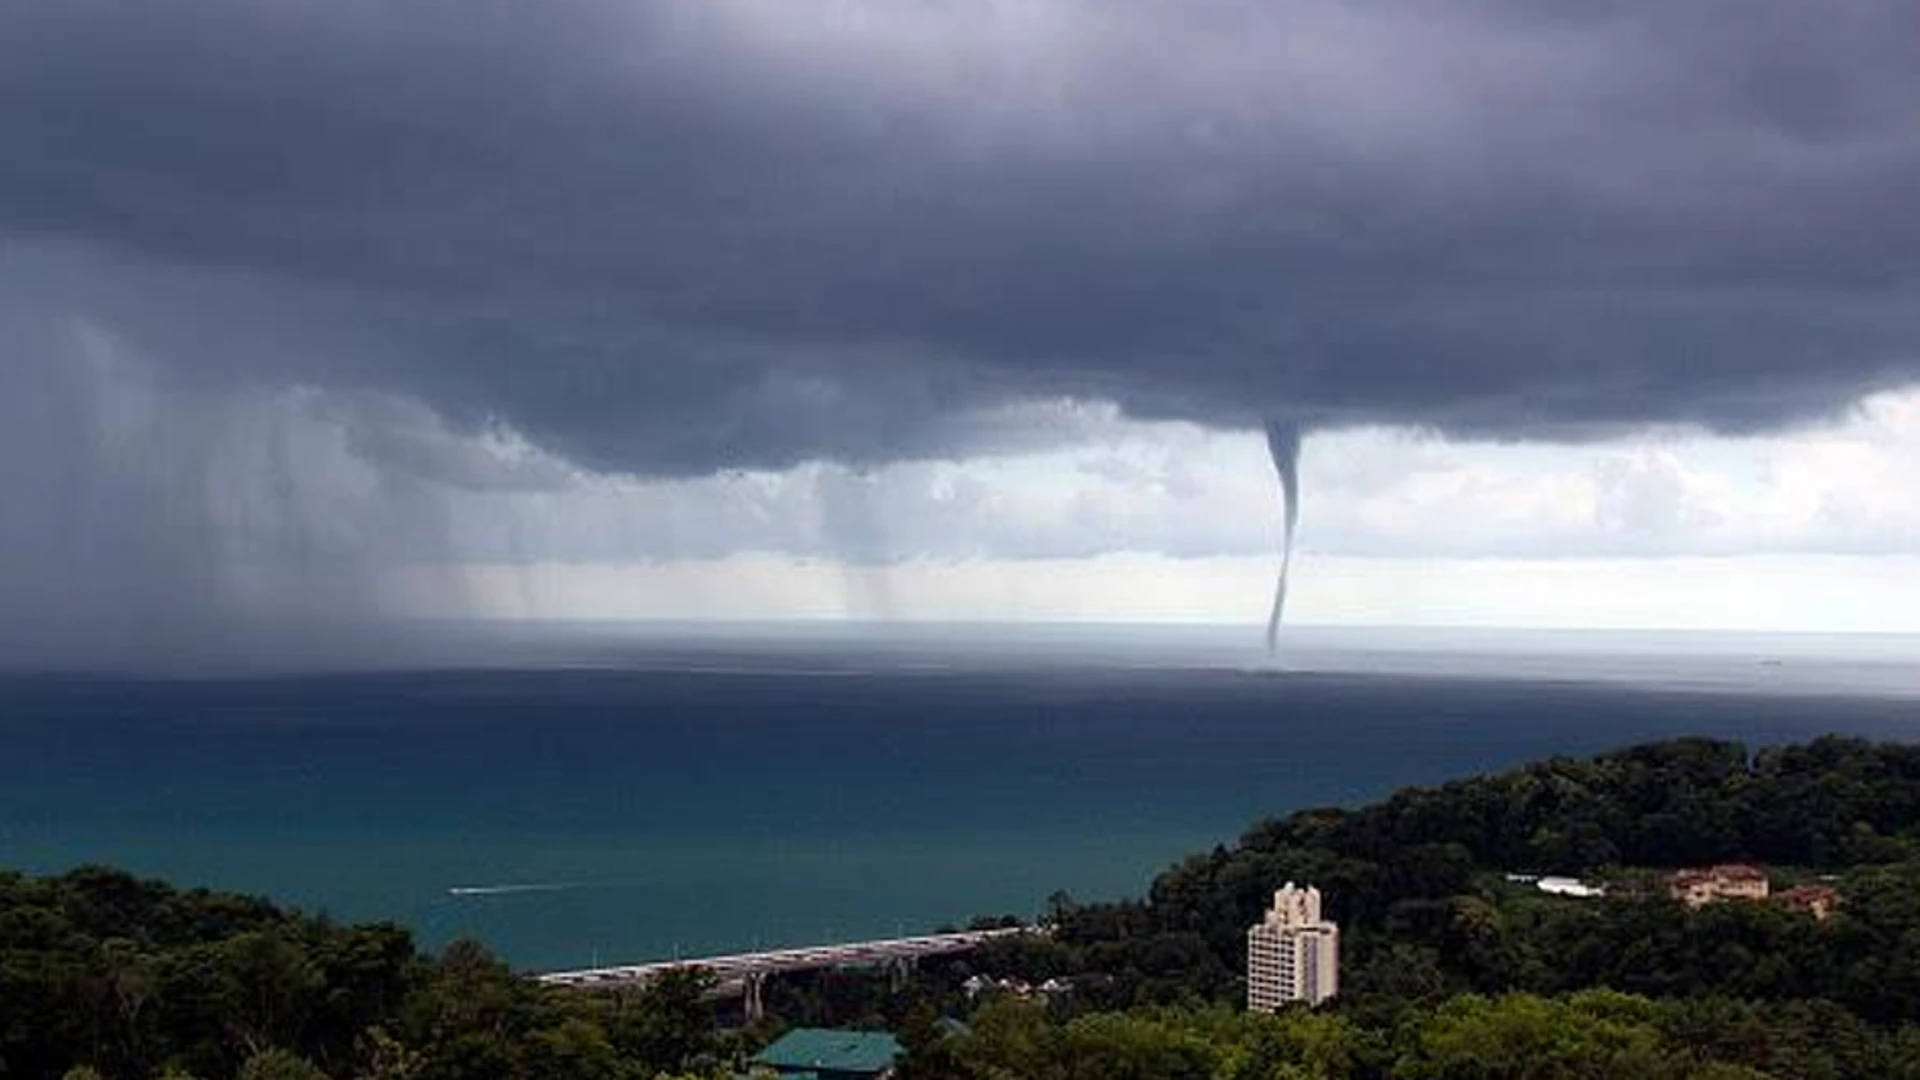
{"type": "Point", "coordinates": [134, 978]}
{"type": "Point", "coordinates": [1450, 969]}
{"type": "Point", "coordinates": [1416, 883]}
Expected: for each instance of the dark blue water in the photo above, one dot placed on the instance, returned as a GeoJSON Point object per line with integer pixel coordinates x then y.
{"type": "Point", "coordinates": [664, 812]}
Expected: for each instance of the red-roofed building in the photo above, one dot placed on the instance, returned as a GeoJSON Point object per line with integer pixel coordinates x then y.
{"type": "Point", "coordinates": [1816, 900]}
{"type": "Point", "coordinates": [1710, 884]}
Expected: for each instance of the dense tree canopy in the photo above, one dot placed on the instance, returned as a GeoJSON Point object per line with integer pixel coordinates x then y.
{"type": "Point", "coordinates": [1448, 965]}
{"type": "Point", "coordinates": [124, 979]}
{"type": "Point", "coordinates": [1591, 1035]}
{"type": "Point", "coordinates": [1417, 884]}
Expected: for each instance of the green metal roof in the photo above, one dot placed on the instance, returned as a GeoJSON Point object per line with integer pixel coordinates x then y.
{"type": "Point", "coordinates": [827, 1050]}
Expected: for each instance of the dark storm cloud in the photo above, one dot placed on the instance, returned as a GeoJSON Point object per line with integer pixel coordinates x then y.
{"type": "Point", "coordinates": [671, 237]}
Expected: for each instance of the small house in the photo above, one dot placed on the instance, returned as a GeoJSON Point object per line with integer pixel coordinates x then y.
{"type": "Point", "coordinates": [831, 1054]}
{"type": "Point", "coordinates": [1816, 900]}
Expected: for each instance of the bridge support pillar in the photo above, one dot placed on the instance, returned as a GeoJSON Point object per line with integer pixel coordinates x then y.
{"type": "Point", "coordinates": [756, 1001]}
{"type": "Point", "coordinates": [900, 971]}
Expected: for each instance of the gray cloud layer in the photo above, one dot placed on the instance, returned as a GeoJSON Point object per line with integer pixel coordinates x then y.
{"type": "Point", "coordinates": [253, 251]}
{"type": "Point", "coordinates": [669, 236]}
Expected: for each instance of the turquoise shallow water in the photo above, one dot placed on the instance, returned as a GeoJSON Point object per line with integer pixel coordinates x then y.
{"type": "Point", "coordinates": [674, 812]}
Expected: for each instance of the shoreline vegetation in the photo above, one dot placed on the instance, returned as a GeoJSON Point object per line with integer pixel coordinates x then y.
{"type": "Point", "coordinates": [1454, 965]}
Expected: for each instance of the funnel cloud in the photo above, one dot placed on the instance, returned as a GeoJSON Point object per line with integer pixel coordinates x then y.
{"type": "Point", "coordinates": [1283, 444]}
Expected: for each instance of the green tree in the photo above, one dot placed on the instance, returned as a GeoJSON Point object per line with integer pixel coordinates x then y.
{"type": "Point", "coordinates": [668, 1025]}
{"type": "Point", "coordinates": [274, 986]}
{"type": "Point", "coordinates": [1523, 1037]}
{"type": "Point", "coordinates": [469, 1016]}
{"type": "Point", "coordinates": [387, 1058]}
{"type": "Point", "coordinates": [278, 1064]}
{"type": "Point", "coordinates": [575, 1049]}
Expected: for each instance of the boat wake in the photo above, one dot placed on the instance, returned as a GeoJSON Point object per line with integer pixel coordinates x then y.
{"type": "Point", "coordinates": [508, 890]}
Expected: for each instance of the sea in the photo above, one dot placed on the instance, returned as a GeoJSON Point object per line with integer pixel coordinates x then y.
{"type": "Point", "coordinates": [584, 796]}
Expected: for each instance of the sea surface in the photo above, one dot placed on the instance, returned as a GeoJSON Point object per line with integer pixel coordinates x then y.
{"type": "Point", "coordinates": [640, 793]}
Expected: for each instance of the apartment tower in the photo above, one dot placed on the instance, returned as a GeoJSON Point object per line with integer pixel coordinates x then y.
{"type": "Point", "coordinates": [1293, 954]}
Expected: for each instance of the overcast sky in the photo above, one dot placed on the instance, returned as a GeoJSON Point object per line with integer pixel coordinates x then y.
{"type": "Point", "coordinates": [326, 312]}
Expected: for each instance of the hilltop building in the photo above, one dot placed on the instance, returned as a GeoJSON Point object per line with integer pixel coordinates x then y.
{"type": "Point", "coordinates": [1566, 886]}
{"type": "Point", "coordinates": [1815, 900]}
{"type": "Point", "coordinates": [1293, 954]}
{"type": "Point", "coordinates": [1733, 881]}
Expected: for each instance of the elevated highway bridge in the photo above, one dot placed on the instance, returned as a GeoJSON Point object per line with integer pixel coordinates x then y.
{"type": "Point", "coordinates": [744, 974]}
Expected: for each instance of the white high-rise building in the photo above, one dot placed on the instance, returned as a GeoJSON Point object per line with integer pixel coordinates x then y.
{"type": "Point", "coordinates": [1292, 954]}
